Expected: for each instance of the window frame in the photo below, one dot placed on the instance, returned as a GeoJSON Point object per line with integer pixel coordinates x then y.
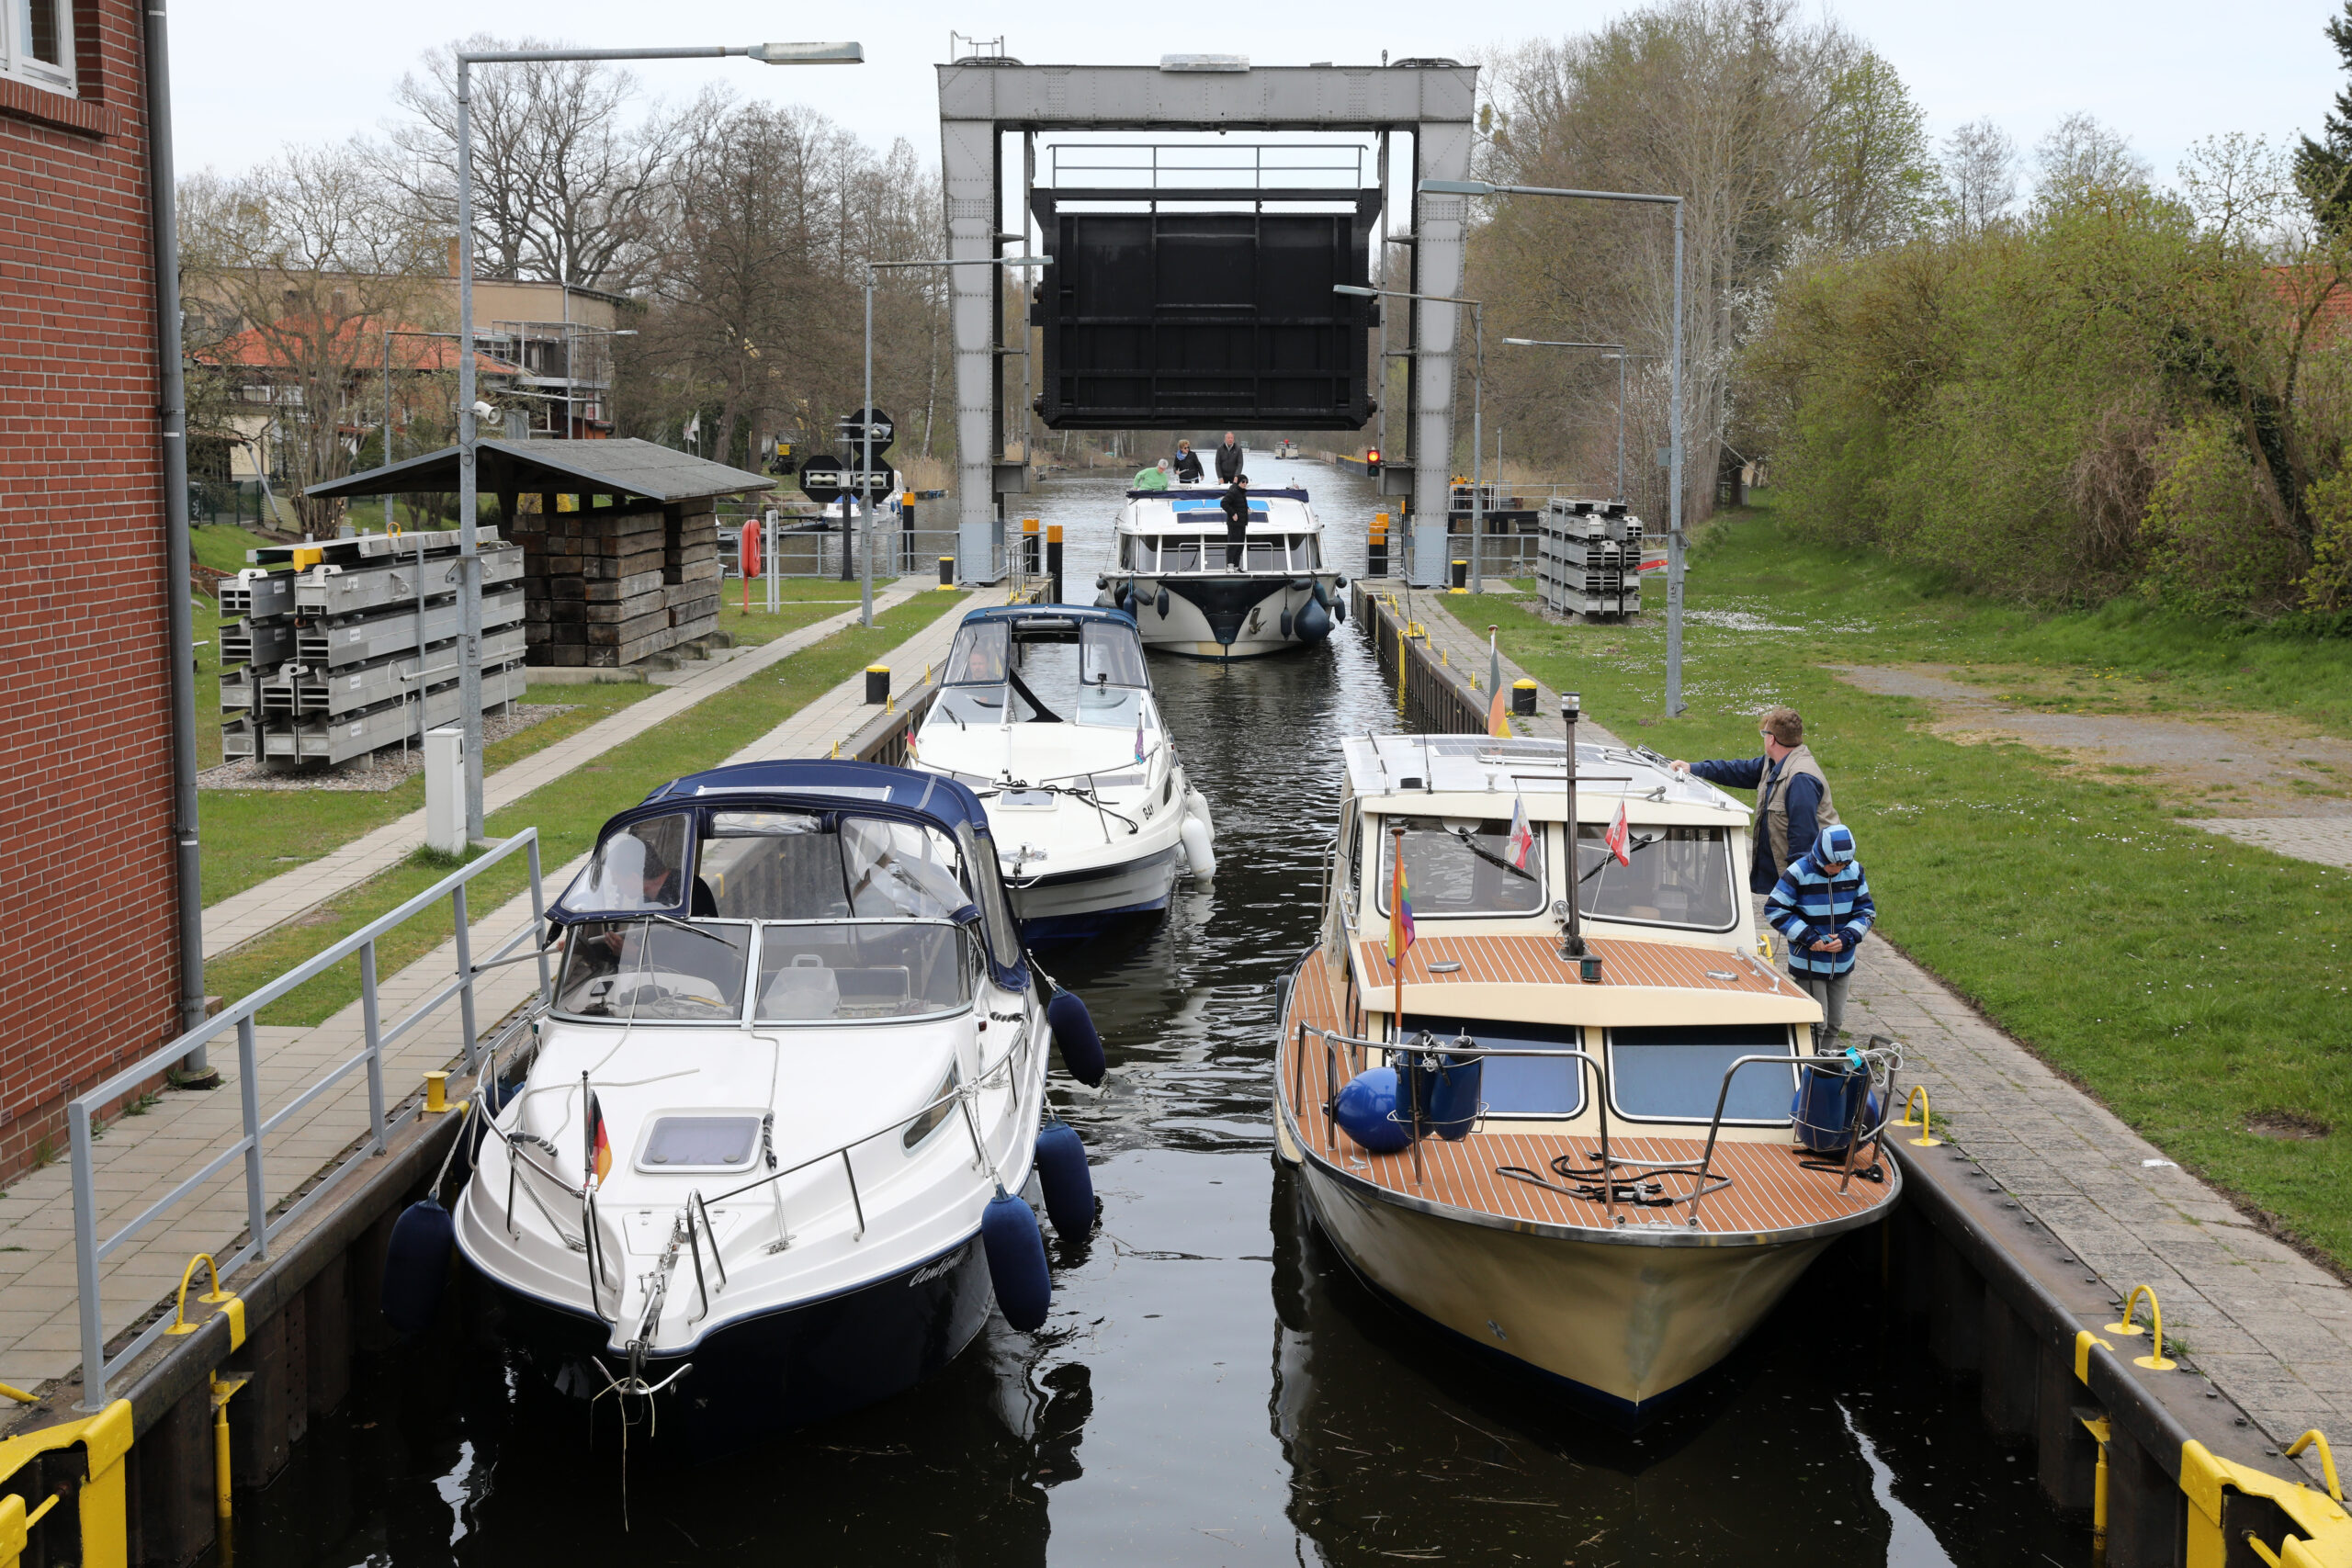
{"type": "Point", "coordinates": [19, 63]}
{"type": "Point", "coordinates": [1381, 882]}
{"type": "Point", "coordinates": [1608, 1057]}
{"type": "Point", "coordinates": [1731, 873]}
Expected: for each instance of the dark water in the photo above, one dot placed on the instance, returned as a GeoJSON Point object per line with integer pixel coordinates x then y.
{"type": "Point", "coordinates": [1213, 1387]}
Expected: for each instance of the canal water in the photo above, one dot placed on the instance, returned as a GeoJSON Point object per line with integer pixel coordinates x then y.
{"type": "Point", "coordinates": [1213, 1387]}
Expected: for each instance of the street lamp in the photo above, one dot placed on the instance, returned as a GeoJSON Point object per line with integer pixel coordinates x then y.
{"type": "Point", "coordinates": [866, 463]}
{"type": "Point", "coordinates": [468, 563]}
{"type": "Point", "coordinates": [1618, 353]}
{"type": "Point", "coordinates": [1674, 703]}
{"type": "Point", "coordinates": [1477, 411]}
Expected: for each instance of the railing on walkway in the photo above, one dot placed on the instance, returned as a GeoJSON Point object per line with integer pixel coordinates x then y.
{"type": "Point", "coordinates": [91, 1250]}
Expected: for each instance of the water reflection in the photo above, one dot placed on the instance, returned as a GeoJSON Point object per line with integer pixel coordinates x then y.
{"type": "Point", "coordinates": [1146, 1422]}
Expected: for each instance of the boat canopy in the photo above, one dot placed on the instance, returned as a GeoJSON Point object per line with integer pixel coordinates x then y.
{"type": "Point", "coordinates": [1010, 665]}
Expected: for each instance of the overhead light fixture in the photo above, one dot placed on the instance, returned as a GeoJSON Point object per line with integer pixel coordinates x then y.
{"type": "Point", "coordinates": [808, 54]}
{"type": "Point", "coordinates": [1455, 188]}
{"type": "Point", "coordinates": [1355, 288]}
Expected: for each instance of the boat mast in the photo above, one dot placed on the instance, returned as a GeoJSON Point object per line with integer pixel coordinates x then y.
{"type": "Point", "coordinates": [1572, 941]}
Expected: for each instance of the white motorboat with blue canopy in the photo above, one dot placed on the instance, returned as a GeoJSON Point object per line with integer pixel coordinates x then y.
{"type": "Point", "coordinates": [1046, 712]}
{"type": "Point", "coordinates": [1173, 571]}
{"type": "Point", "coordinates": [793, 1069]}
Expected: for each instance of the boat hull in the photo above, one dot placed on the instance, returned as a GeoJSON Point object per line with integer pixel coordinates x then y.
{"type": "Point", "coordinates": [1077, 905]}
{"type": "Point", "coordinates": [1222, 617]}
{"type": "Point", "coordinates": [1626, 1324]}
{"type": "Point", "coordinates": [770, 1372]}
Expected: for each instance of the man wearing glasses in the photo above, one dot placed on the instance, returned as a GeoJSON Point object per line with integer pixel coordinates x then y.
{"type": "Point", "coordinates": [1792, 801]}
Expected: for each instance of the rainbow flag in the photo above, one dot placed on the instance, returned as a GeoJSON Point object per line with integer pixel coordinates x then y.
{"type": "Point", "coordinates": [1400, 911]}
{"type": "Point", "coordinates": [1498, 699]}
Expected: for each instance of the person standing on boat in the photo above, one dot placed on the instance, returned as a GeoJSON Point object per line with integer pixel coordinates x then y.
{"type": "Point", "coordinates": [1188, 464]}
{"type": "Point", "coordinates": [1792, 801]}
{"type": "Point", "coordinates": [1822, 904]}
{"type": "Point", "coordinates": [1228, 458]}
{"type": "Point", "coordinates": [1152, 478]}
{"type": "Point", "coordinates": [1235, 502]}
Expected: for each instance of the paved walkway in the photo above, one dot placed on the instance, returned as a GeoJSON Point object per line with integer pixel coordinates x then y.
{"type": "Point", "coordinates": [138, 1159]}
{"type": "Point", "coordinates": [2325, 839]}
{"type": "Point", "coordinates": [242, 917]}
{"type": "Point", "coordinates": [2271, 1329]}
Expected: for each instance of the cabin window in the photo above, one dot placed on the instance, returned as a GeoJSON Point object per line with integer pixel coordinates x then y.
{"type": "Point", "coordinates": [1673, 1073]}
{"type": "Point", "coordinates": [1268, 554]}
{"type": "Point", "coordinates": [1547, 1086]}
{"type": "Point", "coordinates": [1304, 555]}
{"type": "Point", "coordinates": [1674, 876]}
{"type": "Point", "coordinates": [648, 970]}
{"type": "Point", "coordinates": [860, 969]}
{"type": "Point", "coordinates": [1461, 866]}
{"type": "Point", "coordinates": [789, 865]}
{"type": "Point", "coordinates": [1180, 553]}
{"type": "Point", "coordinates": [636, 868]}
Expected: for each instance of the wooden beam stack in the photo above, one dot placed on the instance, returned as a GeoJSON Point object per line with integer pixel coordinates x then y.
{"type": "Point", "coordinates": [608, 586]}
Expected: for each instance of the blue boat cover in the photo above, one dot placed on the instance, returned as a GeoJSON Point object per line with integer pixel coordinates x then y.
{"type": "Point", "coordinates": [1074, 615]}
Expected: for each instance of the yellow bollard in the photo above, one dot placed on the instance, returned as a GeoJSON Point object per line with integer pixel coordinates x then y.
{"type": "Point", "coordinates": [2326, 1459]}
{"type": "Point", "coordinates": [1927, 1122]}
{"type": "Point", "coordinates": [437, 1093]}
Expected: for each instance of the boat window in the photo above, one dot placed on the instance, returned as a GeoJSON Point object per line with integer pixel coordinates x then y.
{"type": "Point", "coordinates": [633, 869]}
{"type": "Point", "coordinates": [654, 970]}
{"type": "Point", "coordinates": [900, 869]}
{"type": "Point", "coordinates": [1110, 652]}
{"type": "Point", "coordinates": [1304, 555]}
{"type": "Point", "coordinates": [700, 1143]}
{"type": "Point", "coordinates": [1675, 876]}
{"type": "Point", "coordinates": [1267, 555]}
{"type": "Point", "coordinates": [1180, 552]}
{"type": "Point", "coordinates": [1672, 1073]}
{"type": "Point", "coordinates": [1461, 866]}
{"type": "Point", "coordinates": [996, 911]}
{"type": "Point", "coordinates": [784, 865]}
{"type": "Point", "coordinates": [979, 655]}
{"type": "Point", "coordinates": [860, 969]}
{"type": "Point", "coordinates": [1522, 1086]}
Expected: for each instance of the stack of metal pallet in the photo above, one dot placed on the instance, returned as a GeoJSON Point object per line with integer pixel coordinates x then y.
{"type": "Point", "coordinates": [1589, 561]}
{"type": "Point", "coordinates": [348, 645]}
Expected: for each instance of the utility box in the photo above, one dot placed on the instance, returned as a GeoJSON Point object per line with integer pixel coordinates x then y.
{"type": "Point", "coordinates": [445, 790]}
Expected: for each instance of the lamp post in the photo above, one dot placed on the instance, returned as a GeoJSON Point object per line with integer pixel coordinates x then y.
{"type": "Point", "coordinates": [1477, 411]}
{"type": "Point", "coordinates": [1674, 703]}
{"type": "Point", "coordinates": [468, 563]}
{"type": "Point", "coordinates": [1618, 353]}
{"type": "Point", "coordinates": [866, 462]}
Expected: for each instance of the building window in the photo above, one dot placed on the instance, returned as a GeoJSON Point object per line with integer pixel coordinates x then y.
{"type": "Point", "coordinates": [37, 43]}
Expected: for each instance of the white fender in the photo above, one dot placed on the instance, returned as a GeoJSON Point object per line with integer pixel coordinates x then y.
{"type": "Point", "coordinates": [1198, 835]}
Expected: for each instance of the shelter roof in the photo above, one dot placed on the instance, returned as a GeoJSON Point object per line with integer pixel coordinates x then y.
{"type": "Point", "coordinates": [626, 467]}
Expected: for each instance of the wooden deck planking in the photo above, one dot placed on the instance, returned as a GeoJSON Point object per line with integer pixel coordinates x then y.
{"type": "Point", "coordinates": [1535, 960]}
{"type": "Point", "coordinates": [1770, 1188]}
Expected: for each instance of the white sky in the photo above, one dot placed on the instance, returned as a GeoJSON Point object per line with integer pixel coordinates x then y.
{"type": "Point", "coordinates": [250, 75]}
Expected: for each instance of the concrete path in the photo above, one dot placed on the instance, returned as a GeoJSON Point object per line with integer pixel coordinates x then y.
{"type": "Point", "coordinates": [2271, 1329]}
{"type": "Point", "coordinates": [242, 917]}
{"type": "Point", "coordinates": [2325, 839]}
{"type": "Point", "coordinates": [138, 1159]}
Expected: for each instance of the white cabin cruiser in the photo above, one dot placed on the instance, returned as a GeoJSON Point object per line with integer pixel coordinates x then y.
{"type": "Point", "coordinates": [1173, 571]}
{"type": "Point", "coordinates": [760, 1168]}
{"type": "Point", "coordinates": [1045, 712]}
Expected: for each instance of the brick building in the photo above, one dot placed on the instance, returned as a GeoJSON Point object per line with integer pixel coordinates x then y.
{"type": "Point", "coordinates": [89, 965]}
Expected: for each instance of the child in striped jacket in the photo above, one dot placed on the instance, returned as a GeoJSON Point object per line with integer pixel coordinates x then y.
{"type": "Point", "coordinates": [1822, 907]}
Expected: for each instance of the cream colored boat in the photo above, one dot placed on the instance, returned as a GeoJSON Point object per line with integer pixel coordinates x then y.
{"type": "Point", "coordinates": [1623, 1193]}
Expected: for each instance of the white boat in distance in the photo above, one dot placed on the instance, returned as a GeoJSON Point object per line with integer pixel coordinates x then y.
{"type": "Point", "coordinates": [1172, 572]}
{"type": "Point", "coordinates": [1046, 713]}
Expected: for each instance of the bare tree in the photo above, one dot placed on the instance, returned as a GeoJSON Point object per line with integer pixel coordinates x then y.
{"type": "Point", "coordinates": [1980, 178]}
{"type": "Point", "coordinates": [2082, 158]}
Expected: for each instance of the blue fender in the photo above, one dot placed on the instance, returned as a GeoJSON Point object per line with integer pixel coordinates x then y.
{"type": "Point", "coordinates": [1069, 1185]}
{"type": "Point", "coordinates": [416, 1266]}
{"type": "Point", "coordinates": [1016, 1255]}
{"type": "Point", "coordinates": [1367, 1111]}
{"type": "Point", "coordinates": [1314, 623]}
{"type": "Point", "coordinates": [1074, 1032]}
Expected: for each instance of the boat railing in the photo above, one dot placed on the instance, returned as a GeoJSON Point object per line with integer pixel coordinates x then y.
{"type": "Point", "coordinates": [1879, 1060]}
{"type": "Point", "coordinates": [84, 1112]}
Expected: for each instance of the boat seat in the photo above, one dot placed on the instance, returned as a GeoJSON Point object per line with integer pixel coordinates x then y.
{"type": "Point", "coordinates": [804, 989]}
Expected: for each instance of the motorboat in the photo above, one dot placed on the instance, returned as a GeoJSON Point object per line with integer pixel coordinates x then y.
{"type": "Point", "coordinates": [1190, 592]}
{"type": "Point", "coordinates": [1046, 713]}
{"type": "Point", "coordinates": [1591, 1139]}
{"type": "Point", "coordinates": [792, 1067]}
{"type": "Point", "coordinates": [1287, 449]}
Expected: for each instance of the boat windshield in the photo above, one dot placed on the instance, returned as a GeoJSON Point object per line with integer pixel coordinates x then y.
{"type": "Point", "coordinates": [791, 866]}
{"type": "Point", "coordinates": [1461, 866]}
{"type": "Point", "coordinates": [1207, 552]}
{"type": "Point", "coordinates": [861, 969]}
{"type": "Point", "coordinates": [1674, 876]}
{"type": "Point", "coordinates": [654, 969]}
{"type": "Point", "coordinates": [1097, 678]}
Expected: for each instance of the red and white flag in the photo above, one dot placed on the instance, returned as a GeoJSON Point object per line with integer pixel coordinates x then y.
{"type": "Point", "coordinates": [1521, 843]}
{"type": "Point", "coordinates": [1619, 837]}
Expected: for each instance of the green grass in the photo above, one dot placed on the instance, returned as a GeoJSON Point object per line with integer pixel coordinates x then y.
{"type": "Point", "coordinates": [567, 812]}
{"type": "Point", "coordinates": [222, 546]}
{"type": "Point", "coordinates": [2188, 981]}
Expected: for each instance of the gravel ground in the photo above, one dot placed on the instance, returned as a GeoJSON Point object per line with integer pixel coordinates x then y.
{"type": "Point", "coordinates": [383, 770]}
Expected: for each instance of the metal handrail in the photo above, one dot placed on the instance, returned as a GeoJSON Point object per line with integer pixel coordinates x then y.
{"type": "Point", "coordinates": [81, 1112]}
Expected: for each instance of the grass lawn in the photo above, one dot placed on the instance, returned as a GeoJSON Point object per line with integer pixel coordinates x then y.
{"type": "Point", "coordinates": [567, 813]}
{"type": "Point", "coordinates": [805, 599]}
{"type": "Point", "coordinates": [2189, 981]}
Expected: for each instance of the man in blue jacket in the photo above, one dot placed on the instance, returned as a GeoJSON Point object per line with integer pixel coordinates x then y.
{"type": "Point", "coordinates": [1792, 801]}
{"type": "Point", "coordinates": [1822, 904]}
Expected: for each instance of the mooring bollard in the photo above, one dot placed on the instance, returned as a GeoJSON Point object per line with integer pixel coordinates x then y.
{"type": "Point", "coordinates": [1053, 558]}
{"type": "Point", "coordinates": [1460, 577]}
{"type": "Point", "coordinates": [1522, 697]}
{"type": "Point", "coordinates": [948, 571]}
{"type": "Point", "coordinates": [878, 685]}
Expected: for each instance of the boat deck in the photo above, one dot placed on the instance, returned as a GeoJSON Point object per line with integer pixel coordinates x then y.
{"type": "Point", "coordinates": [1770, 1188]}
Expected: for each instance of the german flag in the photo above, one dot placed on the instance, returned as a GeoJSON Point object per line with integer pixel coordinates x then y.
{"type": "Point", "coordinates": [600, 1144]}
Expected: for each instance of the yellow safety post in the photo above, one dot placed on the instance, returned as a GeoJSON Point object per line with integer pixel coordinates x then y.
{"type": "Point", "coordinates": [19, 1396]}
{"type": "Point", "coordinates": [222, 1388]}
{"type": "Point", "coordinates": [100, 1503]}
{"type": "Point", "coordinates": [232, 1307]}
{"type": "Point", "coordinates": [2083, 1340]}
{"type": "Point", "coordinates": [1927, 1122]}
{"type": "Point", "coordinates": [2315, 1437]}
{"type": "Point", "coordinates": [437, 1094]}
{"type": "Point", "coordinates": [2155, 1361]}
{"type": "Point", "coordinates": [2099, 1431]}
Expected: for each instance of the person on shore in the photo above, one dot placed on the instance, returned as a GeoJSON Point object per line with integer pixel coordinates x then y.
{"type": "Point", "coordinates": [1154, 478]}
{"type": "Point", "coordinates": [1822, 906]}
{"type": "Point", "coordinates": [1235, 502]}
{"type": "Point", "coordinates": [1792, 801]}
{"type": "Point", "coordinates": [1188, 464]}
{"type": "Point", "coordinates": [1228, 458]}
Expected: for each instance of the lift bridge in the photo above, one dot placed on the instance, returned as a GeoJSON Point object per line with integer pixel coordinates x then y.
{"type": "Point", "coordinates": [1179, 302]}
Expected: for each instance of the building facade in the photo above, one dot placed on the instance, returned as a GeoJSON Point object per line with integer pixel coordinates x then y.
{"type": "Point", "coordinates": [89, 969]}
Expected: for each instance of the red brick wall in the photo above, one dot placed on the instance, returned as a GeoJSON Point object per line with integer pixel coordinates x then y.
{"type": "Point", "coordinates": [88, 962]}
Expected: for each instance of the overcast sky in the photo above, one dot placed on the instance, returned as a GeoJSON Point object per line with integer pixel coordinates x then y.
{"type": "Point", "coordinates": [250, 75]}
